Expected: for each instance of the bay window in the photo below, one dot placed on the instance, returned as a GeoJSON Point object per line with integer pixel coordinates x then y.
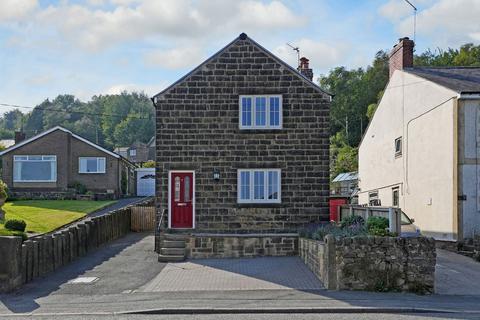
{"type": "Point", "coordinates": [37, 168]}
{"type": "Point", "coordinates": [259, 186]}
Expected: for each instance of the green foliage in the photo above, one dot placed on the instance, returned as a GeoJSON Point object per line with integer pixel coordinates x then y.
{"type": "Point", "coordinates": [110, 120]}
{"type": "Point", "coordinates": [371, 110]}
{"type": "Point", "coordinates": [351, 220]}
{"type": "Point", "coordinates": [3, 190]}
{"type": "Point", "coordinates": [79, 187]}
{"type": "Point", "coordinates": [4, 232]}
{"type": "Point", "coordinates": [149, 164]}
{"type": "Point", "coordinates": [343, 158]}
{"type": "Point", "coordinates": [15, 225]}
{"type": "Point", "coordinates": [377, 223]}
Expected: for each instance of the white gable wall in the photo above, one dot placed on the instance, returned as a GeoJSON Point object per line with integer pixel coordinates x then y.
{"type": "Point", "coordinates": [425, 172]}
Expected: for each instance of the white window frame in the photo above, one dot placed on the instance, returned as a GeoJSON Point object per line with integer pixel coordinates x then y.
{"type": "Point", "coordinates": [265, 186]}
{"type": "Point", "coordinates": [267, 125]}
{"type": "Point", "coordinates": [25, 158]}
{"type": "Point", "coordinates": [132, 152]}
{"type": "Point", "coordinates": [90, 158]}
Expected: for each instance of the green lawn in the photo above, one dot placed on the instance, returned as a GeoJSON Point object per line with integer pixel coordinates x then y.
{"type": "Point", "coordinates": [46, 215]}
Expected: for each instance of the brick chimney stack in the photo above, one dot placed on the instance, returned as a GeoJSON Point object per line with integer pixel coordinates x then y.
{"type": "Point", "coordinates": [304, 69]}
{"type": "Point", "coordinates": [19, 136]}
{"type": "Point", "coordinates": [401, 55]}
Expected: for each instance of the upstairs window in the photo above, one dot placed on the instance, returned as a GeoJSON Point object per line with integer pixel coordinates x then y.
{"type": "Point", "coordinates": [258, 186]}
{"type": "Point", "coordinates": [133, 152]}
{"type": "Point", "coordinates": [91, 165]}
{"type": "Point", "coordinates": [260, 112]}
{"type": "Point", "coordinates": [398, 147]}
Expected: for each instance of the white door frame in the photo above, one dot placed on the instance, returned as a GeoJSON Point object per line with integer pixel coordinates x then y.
{"type": "Point", "coordinates": [170, 197]}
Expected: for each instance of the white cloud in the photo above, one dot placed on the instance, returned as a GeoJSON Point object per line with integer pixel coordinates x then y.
{"type": "Point", "coordinates": [16, 9]}
{"type": "Point", "coordinates": [395, 10]}
{"type": "Point", "coordinates": [322, 56]}
{"type": "Point", "coordinates": [96, 29]}
{"type": "Point", "coordinates": [150, 90]}
{"type": "Point", "coordinates": [445, 22]}
{"type": "Point", "coordinates": [177, 58]}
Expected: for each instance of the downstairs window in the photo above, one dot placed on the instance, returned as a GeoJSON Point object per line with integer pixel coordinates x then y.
{"type": "Point", "coordinates": [259, 186]}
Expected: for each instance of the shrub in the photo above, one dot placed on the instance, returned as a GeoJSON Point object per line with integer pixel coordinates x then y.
{"type": "Point", "coordinates": [14, 233]}
{"type": "Point", "coordinates": [3, 190]}
{"type": "Point", "coordinates": [79, 187]}
{"type": "Point", "coordinates": [350, 220]}
{"type": "Point", "coordinates": [149, 164]}
{"type": "Point", "coordinates": [377, 223]}
{"type": "Point", "coordinates": [16, 225]}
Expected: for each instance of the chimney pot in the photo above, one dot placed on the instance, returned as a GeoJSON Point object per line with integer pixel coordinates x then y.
{"type": "Point", "coordinates": [401, 55]}
{"type": "Point", "coordinates": [303, 68]}
{"type": "Point", "coordinates": [19, 136]}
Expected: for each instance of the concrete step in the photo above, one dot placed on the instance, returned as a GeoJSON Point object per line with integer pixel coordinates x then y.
{"type": "Point", "coordinates": [172, 244]}
{"type": "Point", "coordinates": [172, 251]}
{"type": "Point", "coordinates": [173, 237]}
{"type": "Point", "coordinates": [164, 258]}
{"type": "Point", "coordinates": [467, 247]}
{"type": "Point", "coordinates": [466, 253]}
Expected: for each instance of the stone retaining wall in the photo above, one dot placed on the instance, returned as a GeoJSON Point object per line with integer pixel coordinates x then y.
{"type": "Point", "coordinates": [21, 263]}
{"type": "Point", "coordinates": [237, 245]}
{"type": "Point", "coordinates": [372, 263]}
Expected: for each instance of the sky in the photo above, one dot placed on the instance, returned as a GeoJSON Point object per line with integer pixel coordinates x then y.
{"type": "Point", "coordinates": [93, 47]}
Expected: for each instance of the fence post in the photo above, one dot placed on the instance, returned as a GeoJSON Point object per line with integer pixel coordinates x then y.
{"type": "Point", "coordinates": [350, 210]}
{"type": "Point", "coordinates": [391, 220]}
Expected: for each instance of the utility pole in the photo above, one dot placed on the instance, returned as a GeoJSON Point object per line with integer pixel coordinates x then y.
{"type": "Point", "coordinates": [346, 126]}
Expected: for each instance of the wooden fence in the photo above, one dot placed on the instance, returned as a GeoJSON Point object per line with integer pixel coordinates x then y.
{"type": "Point", "coordinates": [143, 218]}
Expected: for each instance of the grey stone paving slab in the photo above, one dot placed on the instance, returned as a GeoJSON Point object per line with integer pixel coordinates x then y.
{"type": "Point", "coordinates": [265, 273]}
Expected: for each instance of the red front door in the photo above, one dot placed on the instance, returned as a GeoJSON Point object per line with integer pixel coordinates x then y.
{"type": "Point", "coordinates": [181, 184]}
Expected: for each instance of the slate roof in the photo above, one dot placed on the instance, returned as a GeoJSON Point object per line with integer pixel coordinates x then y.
{"type": "Point", "coordinates": [459, 79]}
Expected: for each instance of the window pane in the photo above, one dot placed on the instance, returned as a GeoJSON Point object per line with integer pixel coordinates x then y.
{"type": "Point", "coordinates": [101, 164]}
{"type": "Point", "coordinates": [186, 190]}
{"type": "Point", "coordinates": [34, 157]}
{"type": "Point", "coordinates": [177, 188]}
{"type": "Point", "coordinates": [35, 170]}
{"type": "Point", "coordinates": [260, 111]}
{"type": "Point", "coordinates": [92, 165]}
{"type": "Point", "coordinates": [274, 111]}
{"type": "Point", "coordinates": [246, 111]}
{"type": "Point", "coordinates": [259, 185]}
{"type": "Point", "coordinates": [244, 185]}
{"type": "Point", "coordinates": [272, 185]}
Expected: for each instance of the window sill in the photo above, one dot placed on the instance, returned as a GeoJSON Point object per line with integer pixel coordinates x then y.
{"type": "Point", "coordinates": [259, 205]}
{"type": "Point", "coordinates": [91, 172]}
{"type": "Point", "coordinates": [269, 130]}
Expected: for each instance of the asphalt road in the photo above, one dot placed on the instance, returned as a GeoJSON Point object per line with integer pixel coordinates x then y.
{"type": "Point", "coordinates": [329, 316]}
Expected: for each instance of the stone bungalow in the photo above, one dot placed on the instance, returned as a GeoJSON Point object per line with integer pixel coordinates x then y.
{"type": "Point", "coordinates": [48, 165]}
{"type": "Point", "coordinates": [242, 153]}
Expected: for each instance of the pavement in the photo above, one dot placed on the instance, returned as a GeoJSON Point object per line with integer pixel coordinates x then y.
{"type": "Point", "coordinates": [456, 274]}
{"type": "Point", "coordinates": [124, 279]}
{"type": "Point", "coordinates": [265, 273]}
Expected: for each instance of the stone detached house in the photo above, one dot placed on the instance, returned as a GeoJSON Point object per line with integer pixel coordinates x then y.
{"type": "Point", "coordinates": [421, 149]}
{"type": "Point", "coordinates": [242, 153]}
{"type": "Point", "coordinates": [51, 164]}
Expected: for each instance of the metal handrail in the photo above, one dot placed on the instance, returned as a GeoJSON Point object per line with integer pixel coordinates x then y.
{"type": "Point", "coordinates": [160, 221]}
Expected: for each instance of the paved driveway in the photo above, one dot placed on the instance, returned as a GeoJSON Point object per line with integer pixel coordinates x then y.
{"type": "Point", "coordinates": [456, 274]}
{"type": "Point", "coordinates": [266, 273]}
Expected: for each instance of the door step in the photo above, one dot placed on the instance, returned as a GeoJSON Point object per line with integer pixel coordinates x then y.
{"type": "Point", "coordinates": [172, 248]}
